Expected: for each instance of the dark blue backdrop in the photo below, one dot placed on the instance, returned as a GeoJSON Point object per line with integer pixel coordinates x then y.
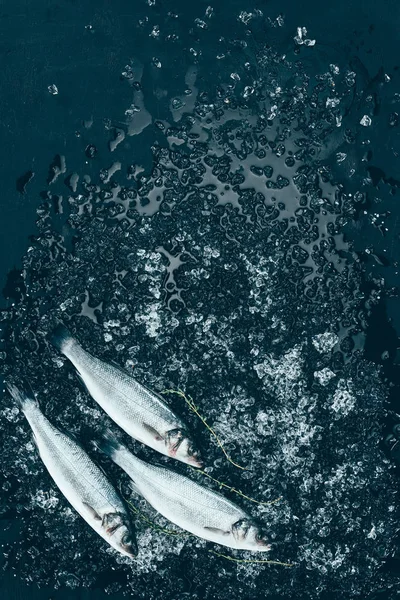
{"type": "Point", "coordinates": [82, 47]}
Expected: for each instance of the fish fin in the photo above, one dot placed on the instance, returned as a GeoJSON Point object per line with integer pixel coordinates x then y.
{"type": "Point", "coordinates": [153, 432]}
{"type": "Point", "coordinates": [61, 338]}
{"type": "Point", "coordinates": [82, 381]}
{"type": "Point", "coordinates": [135, 488]}
{"type": "Point", "coordinates": [35, 441]}
{"type": "Point", "coordinates": [92, 511]}
{"type": "Point", "coordinates": [81, 378]}
{"type": "Point", "coordinates": [216, 530]}
{"type": "Point", "coordinates": [108, 443]}
{"type": "Point", "coordinates": [23, 395]}
{"type": "Point", "coordinates": [122, 370]}
{"type": "Point", "coordinates": [117, 366]}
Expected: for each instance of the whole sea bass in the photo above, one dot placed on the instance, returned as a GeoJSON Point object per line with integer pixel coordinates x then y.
{"type": "Point", "coordinates": [82, 482]}
{"type": "Point", "coordinates": [136, 409]}
{"type": "Point", "coordinates": [192, 507]}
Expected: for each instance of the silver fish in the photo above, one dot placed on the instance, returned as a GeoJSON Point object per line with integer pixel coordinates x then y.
{"type": "Point", "coordinates": [136, 409]}
{"type": "Point", "coordinates": [82, 482]}
{"type": "Point", "coordinates": [192, 507]}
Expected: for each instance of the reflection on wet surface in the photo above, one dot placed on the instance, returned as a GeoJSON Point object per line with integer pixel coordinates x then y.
{"type": "Point", "coordinates": [221, 267]}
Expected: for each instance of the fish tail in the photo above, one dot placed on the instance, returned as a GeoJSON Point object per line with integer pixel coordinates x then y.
{"type": "Point", "coordinates": [22, 395]}
{"type": "Point", "coordinates": [62, 339]}
{"type": "Point", "coordinates": [114, 449]}
{"type": "Point", "coordinates": [109, 444]}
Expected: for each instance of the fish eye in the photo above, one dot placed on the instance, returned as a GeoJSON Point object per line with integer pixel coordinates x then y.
{"type": "Point", "coordinates": [261, 538]}
{"type": "Point", "coordinates": [193, 452]}
{"type": "Point", "coordinates": [129, 545]}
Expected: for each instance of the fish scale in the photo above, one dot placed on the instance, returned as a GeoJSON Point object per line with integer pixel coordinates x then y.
{"type": "Point", "coordinates": [141, 413]}
{"type": "Point", "coordinates": [81, 481]}
{"type": "Point", "coordinates": [126, 390]}
{"type": "Point", "coordinates": [79, 472]}
{"type": "Point", "coordinates": [197, 509]}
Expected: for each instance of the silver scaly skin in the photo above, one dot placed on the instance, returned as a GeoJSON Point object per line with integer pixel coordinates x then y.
{"type": "Point", "coordinates": [141, 413]}
{"type": "Point", "coordinates": [192, 507]}
{"type": "Point", "coordinates": [80, 480]}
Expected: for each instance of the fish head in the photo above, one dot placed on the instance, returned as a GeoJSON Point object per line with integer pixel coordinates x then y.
{"type": "Point", "coordinates": [249, 536]}
{"type": "Point", "coordinates": [182, 448]}
{"type": "Point", "coordinates": [120, 533]}
{"type": "Point", "coordinates": [188, 453]}
{"type": "Point", "coordinates": [127, 544]}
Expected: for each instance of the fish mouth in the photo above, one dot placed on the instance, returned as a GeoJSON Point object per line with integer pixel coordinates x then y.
{"type": "Point", "coordinates": [132, 553]}
{"type": "Point", "coordinates": [264, 545]}
{"type": "Point", "coordinates": [196, 462]}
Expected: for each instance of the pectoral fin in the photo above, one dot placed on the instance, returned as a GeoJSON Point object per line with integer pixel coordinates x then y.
{"type": "Point", "coordinates": [153, 432]}
{"type": "Point", "coordinates": [217, 531]}
{"type": "Point", "coordinates": [92, 511]}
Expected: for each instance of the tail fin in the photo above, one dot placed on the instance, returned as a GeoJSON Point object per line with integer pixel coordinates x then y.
{"type": "Point", "coordinates": [109, 444]}
{"type": "Point", "coordinates": [23, 395]}
{"type": "Point", "coordinates": [61, 338]}
{"type": "Point", "coordinates": [112, 447]}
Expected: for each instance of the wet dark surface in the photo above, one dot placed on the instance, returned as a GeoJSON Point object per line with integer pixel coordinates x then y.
{"type": "Point", "coordinates": [215, 206]}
